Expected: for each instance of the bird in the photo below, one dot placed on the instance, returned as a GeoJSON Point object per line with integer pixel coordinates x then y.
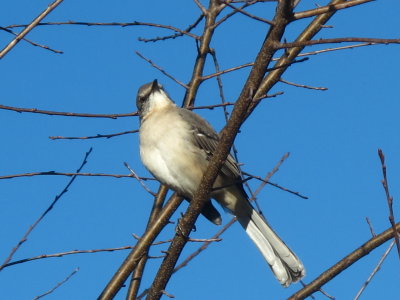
{"type": "Point", "coordinates": [176, 145]}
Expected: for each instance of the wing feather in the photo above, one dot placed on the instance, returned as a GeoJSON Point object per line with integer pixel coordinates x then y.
{"type": "Point", "coordinates": [207, 140]}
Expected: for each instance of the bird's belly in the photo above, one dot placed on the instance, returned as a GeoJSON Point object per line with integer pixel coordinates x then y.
{"type": "Point", "coordinates": [170, 157]}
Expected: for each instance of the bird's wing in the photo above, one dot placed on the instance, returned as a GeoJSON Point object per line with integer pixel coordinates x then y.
{"type": "Point", "coordinates": [207, 139]}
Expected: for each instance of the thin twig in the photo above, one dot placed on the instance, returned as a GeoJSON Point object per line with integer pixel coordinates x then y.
{"type": "Point", "coordinates": [303, 85]}
{"type": "Point", "coordinates": [97, 136]}
{"type": "Point", "coordinates": [32, 42]}
{"type": "Point", "coordinates": [57, 285]}
{"type": "Point", "coordinates": [233, 12]}
{"type": "Point", "coordinates": [202, 8]}
{"type": "Point", "coordinates": [61, 254]}
{"type": "Point", "coordinates": [336, 49]}
{"type": "Point", "coordinates": [337, 40]}
{"type": "Point", "coordinates": [270, 174]}
{"type": "Point", "coordinates": [161, 70]}
{"type": "Point", "coordinates": [326, 294]}
{"type": "Point", "coordinates": [28, 28]}
{"type": "Point", "coordinates": [118, 24]}
{"type": "Point", "coordinates": [376, 269]}
{"type": "Point", "coordinates": [371, 228]}
{"type": "Point", "coordinates": [327, 8]}
{"type": "Point", "coordinates": [53, 173]}
{"type": "Point", "coordinates": [58, 197]}
{"type": "Point", "coordinates": [206, 77]}
{"type": "Point", "coordinates": [389, 199]}
{"type": "Point", "coordinates": [173, 36]}
{"type": "Point", "coordinates": [266, 179]}
{"type": "Point", "coordinates": [254, 17]}
{"type": "Point", "coordinates": [300, 55]}
{"type": "Point", "coordinates": [67, 114]}
{"type": "Point", "coordinates": [167, 294]}
{"type": "Point", "coordinates": [276, 185]}
{"type": "Point", "coordinates": [140, 180]}
{"type": "Point", "coordinates": [210, 240]}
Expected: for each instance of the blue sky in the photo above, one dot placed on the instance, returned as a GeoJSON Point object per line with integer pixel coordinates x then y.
{"type": "Point", "coordinates": [332, 137]}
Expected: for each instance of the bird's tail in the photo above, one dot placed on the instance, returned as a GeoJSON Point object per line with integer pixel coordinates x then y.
{"type": "Point", "coordinates": [285, 265]}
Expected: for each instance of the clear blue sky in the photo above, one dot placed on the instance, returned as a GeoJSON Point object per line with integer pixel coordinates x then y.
{"type": "Point", "coordinates": [332, 137]}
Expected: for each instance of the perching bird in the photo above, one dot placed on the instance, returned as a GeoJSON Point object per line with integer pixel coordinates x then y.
{"type": "Point", "coordinates": [176, 145]}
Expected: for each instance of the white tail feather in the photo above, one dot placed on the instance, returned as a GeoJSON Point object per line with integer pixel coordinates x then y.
{"type": "Point", "coordinates": [285, 265]}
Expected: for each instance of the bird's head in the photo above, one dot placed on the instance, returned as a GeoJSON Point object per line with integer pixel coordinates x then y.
{"type": "Point", "coordinates": [151, 96]}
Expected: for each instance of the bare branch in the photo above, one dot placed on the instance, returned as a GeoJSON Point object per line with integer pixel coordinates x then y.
{"type": "Point", "coordinates": [203, 50]}
{"type": "Point", "coordinates": [161, 70]}
{"type": "Point", "coordinates": [67, 114]}
{"type": "Point", "coordinates": [31, 42]}
{"type": "Point", "coordinates": [249, 14]}
{"type": "Point", "coordinates": [204, 246]}
{"type": "Point", "coordinates": [328, 8]}
{"type": "Point", "coordinates": [290, 54]}
{"type": "Point", "coordinates": [137, 274]}
{"type": "Point", "coordinates": [226, 71]}
{"type": "Point", "coordinates": [376, 269]}
{"type": "Point", "coordinates": [336, 49]}
{"type": "Point", "coordinates": [276, 185]}
{"type": "Point", "coordinates": [116, 24]}
{"type": "Point", "coordinates": [140, 249]}
{"type": "Point", "coordinates": [140, 180]}
{"type": "Point", "coordinates": [57, 285]}
{"type": "Point", "coordinates": [190, 28]}
{"type": "Point", "coordinates": [344, 263]}
{"type": "Point", "coordinates": [269, 175]}
{"type": "Point", "coordinates": [389, 199]}
{"type": "Point", "coordinates": [97, 136]}
{"type": "Point", "coordinates": [300, 55]}
{"type": "Point", "coordinates": [53, 173]}
{"type": "Point", "coordinates": [303, 86]}
{"type": "Point", "coordinates": [58, 197]}
{"type": "Point", "coordinates": [338, 40]}
{"type": "Point", "coordinates": [28, 28]}
{"type": "Point", "coordinates": [61, 254]}
{"type": "Point", "coordinates": [371, 228]}
{"type": "Point", "coordinates": [202, 8]}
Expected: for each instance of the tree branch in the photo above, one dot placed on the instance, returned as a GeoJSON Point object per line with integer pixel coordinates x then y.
{"type": "Point", "coordinates": [67, 114]}
{"type": "Point", "coordinates": [140, 249]}
{"type": "Point", "coordinates": [328, 8]}
{"type": "Point", "coordinates": [344, 263]}
{"type": "Point", "coordinates": [28, 28]}
{"type": "Point", "coordinates": [338, 40]}
{"type": "Point", "coordinates": [32, 227]}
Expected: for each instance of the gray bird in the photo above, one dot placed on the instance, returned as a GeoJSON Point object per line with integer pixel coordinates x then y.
{"type": "Point", "coordinates": [176, 146]}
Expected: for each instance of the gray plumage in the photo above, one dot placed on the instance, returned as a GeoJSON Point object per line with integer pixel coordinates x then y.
{"type": "Point", "coordinates": [176, 145]}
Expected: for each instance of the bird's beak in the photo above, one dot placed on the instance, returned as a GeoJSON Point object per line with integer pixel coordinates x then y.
{"type": "Point", "coordinates": [154, 86]}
